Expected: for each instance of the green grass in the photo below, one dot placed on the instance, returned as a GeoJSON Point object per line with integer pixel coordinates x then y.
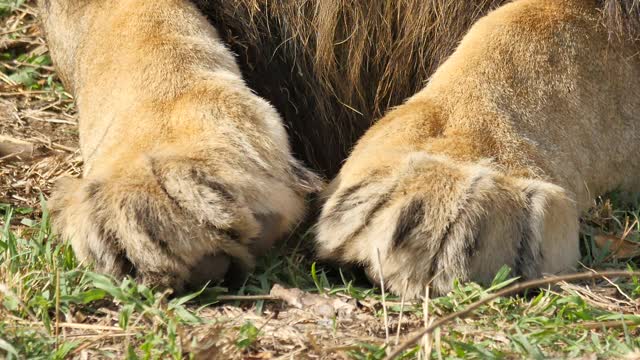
{"type": "Point", "coordinates": [41, 284]}
{"type": "Point", "coordinates": [8, 6]}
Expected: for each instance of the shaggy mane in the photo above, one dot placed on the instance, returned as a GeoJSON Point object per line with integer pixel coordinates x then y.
{"type": "Point", "coordinates": [332, 67]}
{"type": "Point", "coordinates": [622, 18]}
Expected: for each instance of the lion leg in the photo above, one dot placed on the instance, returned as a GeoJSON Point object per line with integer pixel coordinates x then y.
{"type": "Point", "coordinates": [188, 174]}
{"type": "Point", "coordinates": [491, 163]}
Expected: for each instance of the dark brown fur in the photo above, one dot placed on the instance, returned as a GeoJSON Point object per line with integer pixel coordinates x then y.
{"type": "Point", "coordinates": [622, 18]}
{"type": "Point", "coordinates": [332, 67]}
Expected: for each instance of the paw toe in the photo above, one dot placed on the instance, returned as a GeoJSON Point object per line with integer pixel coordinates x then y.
{"type": "Point", "coordinates": [437, 221]}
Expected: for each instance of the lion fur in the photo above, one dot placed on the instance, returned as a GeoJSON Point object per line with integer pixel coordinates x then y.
{"type": "Point", "coordinates": [189, 173]}
{"type": "Point", "coordinates": [333, 67]}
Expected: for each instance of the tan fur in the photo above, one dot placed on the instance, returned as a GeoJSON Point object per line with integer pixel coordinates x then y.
{"type": "Point", "coordinates": [534, 113]}
{"type": "Point", "coordinates": [188, 174]}
{"type": "Point", "coordinates": [182, 160]}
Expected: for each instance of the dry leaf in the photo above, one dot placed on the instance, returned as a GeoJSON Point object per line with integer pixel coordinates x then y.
{"type": "Point", "coordinates": [11, 147]}
{"type": "Point", "coordinates": [321, 305]}
{"type": "Point", "coordinates": [619, 248]}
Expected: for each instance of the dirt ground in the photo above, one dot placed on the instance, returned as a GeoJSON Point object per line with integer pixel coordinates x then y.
{"type": "Point", "coordinates": [38, 125]}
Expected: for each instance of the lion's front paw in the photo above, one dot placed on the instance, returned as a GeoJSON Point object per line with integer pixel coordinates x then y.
{"type": "Point", "coordinates": [433, 220]}
{"type": "Point", "coordinates": [175, 222]}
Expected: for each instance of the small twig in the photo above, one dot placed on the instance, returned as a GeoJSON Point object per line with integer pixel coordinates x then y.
{"type": "Point", "coordinates": [100, 336]}
{"type": "Point", "coordinates": [17, 29]}
{"type": "Point", "coordinates": [35, 66]}
{"type": "Point", "coordinates": [402, 299]}
{"type": "Point", "coordinates": [627, 228]}
{"type": "Point", "coordinates": [82, 326]}
{"type": "Point", "coordinates": [27, 92]}
{"type": "Point", "coordinates": [54, 121]}
{"type": "Point", "coordinates": [594, 325]}
{"type": "Point", "coordinates": [343, 348]}
{"type": "Point", "coordinates": [57, 309]}
{"type": "Point", "coordinates": [413, 339]}
{"type": "Point", "coordinates": [631, 301]}
{"type": "Point", "coordinates": [384, 299]}
{"type": "Point", "coordinates": [54, 145]}
{"type": "Point", "coordinates": [247, 297]}
{"type": "Point", "coordinates": [426, 339]}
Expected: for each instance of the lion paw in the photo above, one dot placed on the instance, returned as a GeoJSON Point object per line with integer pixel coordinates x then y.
{"type": "Point", "coordinates": [425, 221]}
{"type": "Point", "coordinates": [175, 222]}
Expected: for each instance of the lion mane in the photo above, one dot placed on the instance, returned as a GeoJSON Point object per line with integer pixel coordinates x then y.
{"type": "Point", "coordinates": [332, 65]}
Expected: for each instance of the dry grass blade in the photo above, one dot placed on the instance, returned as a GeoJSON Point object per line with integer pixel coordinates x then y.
{"type": "Point", "coordinates": [402, 301]}
{"type": "Point", "coordinates": [426, 339]}
{"type": "Point", "coordinates": [247, 297]}
{"type": "Point", "coordinates": [384, 298]}
{"type": "Point", "coordinates": [413, 339]}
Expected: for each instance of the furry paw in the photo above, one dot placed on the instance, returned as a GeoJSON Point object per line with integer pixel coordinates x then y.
{"type": "Point", "coordinates": [433, 220]}
{"type": "Point", "coordinates": [177, 222]}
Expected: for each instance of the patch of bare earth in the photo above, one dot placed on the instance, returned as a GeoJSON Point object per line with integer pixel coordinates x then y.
{"type": "Point", "coordinates": [38, 126]}
{"type": "Point", "coordinates": [282, 330]}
